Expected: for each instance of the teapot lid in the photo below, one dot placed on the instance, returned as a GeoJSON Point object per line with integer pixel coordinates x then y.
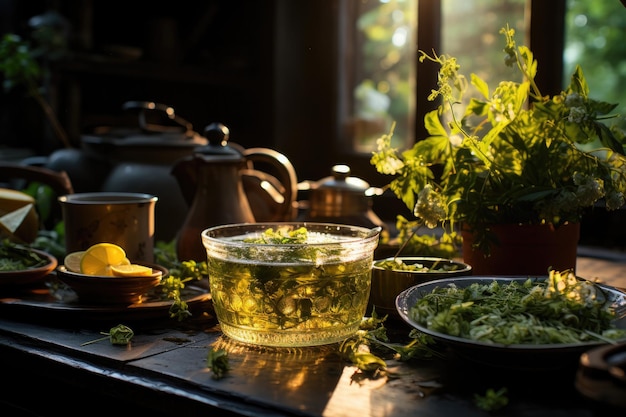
{"type": "Point", "coordinates": [217, 147]}
{"type": "Point", "coordinates": [342, 181]}
{"type": "Point", "coordinates": [342, 198]}
{"type": "Point", "coordinates": [339, 193]}
{"type": "Point", "coordinates": [157, 126]}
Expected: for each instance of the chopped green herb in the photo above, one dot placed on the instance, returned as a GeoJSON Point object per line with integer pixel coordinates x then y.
{"type": "Point", "coordinates": [281, 237]}
{"type": "Point", "coordinates": [14, 257]}
{"type": "Point", "coordinates": [172, 287]}
{"type": "Point", "coordinates": [492, 400]}
{"type": "Point", "coordinates": [368, 347]}
{"type": "Point", "coordinates": [217, 361]}
{"type": "Point", "coordinates": [174, 284]}
{"type": "Point", "coordinates": [397, 264]}
{"type": "Point", "coordinates": [561, 309]}
{"type": "Point", "coordinates": [121, 335]}
{"type": "Point", "coordinates": [118, 335]}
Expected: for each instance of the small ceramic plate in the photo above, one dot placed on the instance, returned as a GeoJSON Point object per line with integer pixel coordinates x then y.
{"type": "Point", "coordinates": [42, 306]}
{"type": "Point", "coordinates": [29, 276]}
{"type": "Point", "coordinates": [94, 289]}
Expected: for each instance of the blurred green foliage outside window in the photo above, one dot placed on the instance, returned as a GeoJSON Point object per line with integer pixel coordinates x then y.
{"type": "Point", "coordinates": [594, 38]}
{"type": "Point", "coordinates": [384, 87]}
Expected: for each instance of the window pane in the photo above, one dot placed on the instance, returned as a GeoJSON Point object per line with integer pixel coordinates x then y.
{"type": "Point", "coordinates": [383, 80]}
{"type": "Point", "coordinates": [471, 32]}
{"type": "Point", "coordinates": [594, 38]}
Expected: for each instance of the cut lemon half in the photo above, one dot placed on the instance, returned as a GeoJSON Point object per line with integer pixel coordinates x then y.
{"type": "Point", "coordinates": [72, 261]}
{"type": "Point", "coordinates": [98, 259]}
{"type": "Point", "coordinates": [132, 270]}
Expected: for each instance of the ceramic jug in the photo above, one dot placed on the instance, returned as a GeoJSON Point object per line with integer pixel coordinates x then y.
{"type": "Point", "coordinates": [222, 186]}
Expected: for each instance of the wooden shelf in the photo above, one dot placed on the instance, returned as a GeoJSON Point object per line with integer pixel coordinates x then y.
{"type": "Point", "coordinates": [100, 65]}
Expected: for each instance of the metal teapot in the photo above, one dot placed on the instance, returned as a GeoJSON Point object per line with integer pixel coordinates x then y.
{"type": "Point", "coordinates": [341, 198]}
{"type": "Point", "coordinates": [222, 186]}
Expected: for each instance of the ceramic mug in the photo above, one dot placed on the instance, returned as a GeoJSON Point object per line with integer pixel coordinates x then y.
{"type": "Point", "coordinates": [125, 219]}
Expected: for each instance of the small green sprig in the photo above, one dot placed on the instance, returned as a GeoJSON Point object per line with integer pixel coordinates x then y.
{"type": "Point", "coordinates": [180, 273]}
{"type": "Point", "coordinates": [118, 335]}
{"type": "Point", "coordinates": [217, 361]}
{"type": "Point", "coordinates": [370, 344]}
{"type": "Point", "coordinates": [174, 284]}
{"type": "Point", "coordinates": [492, 400]}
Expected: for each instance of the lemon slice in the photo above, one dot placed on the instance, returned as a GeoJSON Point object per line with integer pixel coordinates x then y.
{"type": "Point", "coordinates": [72, 261]}
{"type": "Point", "coordinates": [98, 259]}
{"type": "Point", "coordinates": [132, 270]}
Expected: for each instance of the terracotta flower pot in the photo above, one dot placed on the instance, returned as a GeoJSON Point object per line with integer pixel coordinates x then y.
{"type": "Point", "coordinates": [525, 249]}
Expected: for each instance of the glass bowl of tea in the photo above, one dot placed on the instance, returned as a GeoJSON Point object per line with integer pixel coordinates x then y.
{"type": "Point", "coordinates": [290, 284]}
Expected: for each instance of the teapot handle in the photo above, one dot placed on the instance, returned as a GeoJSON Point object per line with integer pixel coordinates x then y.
{"type": "Point", "coordinates": [285, 173]}
{"type": "Point", "coordinates": [166, 112]}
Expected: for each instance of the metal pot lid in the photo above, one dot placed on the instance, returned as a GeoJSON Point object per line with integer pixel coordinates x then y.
{"type": "Point", "coordinates": [340, 194]}
{"type": "Point", "coordinates": [157, 125]}
{"type": "Point", "coordinates": [132, 138]}
{"type": "Point", "coordinates": [341, 181]}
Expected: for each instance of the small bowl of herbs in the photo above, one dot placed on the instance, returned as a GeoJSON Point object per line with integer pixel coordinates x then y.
{"type": "Point", "coordinates": [391, 276]}
{"type": "Point", "coordinates": [21, 265]}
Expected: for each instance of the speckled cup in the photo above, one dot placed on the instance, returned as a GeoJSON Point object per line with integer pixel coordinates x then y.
{"type": "Point", "coordinates": [125, 219]}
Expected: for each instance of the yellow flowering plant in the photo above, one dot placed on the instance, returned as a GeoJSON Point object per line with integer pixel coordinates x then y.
{"type": "Point", "coordinates": [512, 155]}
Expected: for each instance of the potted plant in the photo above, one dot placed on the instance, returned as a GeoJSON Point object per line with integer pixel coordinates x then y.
{"type": "Point", "coordinates": [512, 158]}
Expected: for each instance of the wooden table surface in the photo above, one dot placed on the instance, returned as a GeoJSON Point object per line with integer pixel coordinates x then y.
{"type": "Point", "coordinates": [163, 371]}
{"type": "Point", "coordinates": [608, 267]}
